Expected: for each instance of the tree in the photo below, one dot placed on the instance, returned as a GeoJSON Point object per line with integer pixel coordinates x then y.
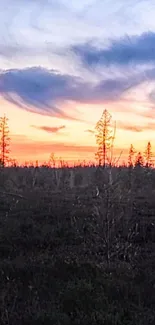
{"type": "Point", "coordinates": [139, 162]}
{"type": "Point", "coordinates": [4, 140]}
{"type": "Point", "coordinates": [148, 154]}
{"type": "Point", "coordinates": [104, 137]}
{"type": "Point", "coordinates": [52, 160]}
{"type": "Point", "coordinates": [131, 156]}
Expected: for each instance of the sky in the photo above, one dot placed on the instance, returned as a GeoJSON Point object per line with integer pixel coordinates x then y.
{"type": "Point", "coordinates": [63, 62]}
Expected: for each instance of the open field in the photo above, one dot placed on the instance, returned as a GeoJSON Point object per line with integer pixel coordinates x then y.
{"type": "Point", "coordinates": [77, 246]}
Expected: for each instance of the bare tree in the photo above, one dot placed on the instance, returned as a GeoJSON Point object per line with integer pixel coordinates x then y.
{"type": "Point", "coordinates": [148, 154]}
{"type": "Point", "coordinates": [52, 160]}
{"type": "Point", "coordinates": [131, 156]}
{"type": "Point", "coordinates": [104, 138]}
{"type": "Point", "coordinates": [4, 140]}
{"type": "Point", "coordinates": [139, 162]}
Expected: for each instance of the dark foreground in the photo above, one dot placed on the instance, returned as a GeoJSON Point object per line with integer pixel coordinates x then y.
{"type": "Point", "coordinates": [71, 256]}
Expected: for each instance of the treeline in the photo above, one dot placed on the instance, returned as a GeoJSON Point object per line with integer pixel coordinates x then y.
{"type": "Point", "coordinates": [105, 137]}
{"type": "Point", "coordinates": [105, 133]}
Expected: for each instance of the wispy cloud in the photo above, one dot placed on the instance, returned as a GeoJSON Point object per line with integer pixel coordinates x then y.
{"type": "Point", "coordinates": [49, 129]}
{"type": "Point", "coordinates": [136, 128]}
{"type": "Point", "coordinates": [47, 92]}
{"type": "Point", "coordinates": [29, 149]}
{"type": "Point", "coordinates": [129, 127]}
{"type": "Point", "coordinates": [122, 51]}
{"type": "Point", "coordinates": [40, 90]}
{"type": "Point", "coordinates": [90, 131]}
{"type": "Point", "coordinates": [33, 147]}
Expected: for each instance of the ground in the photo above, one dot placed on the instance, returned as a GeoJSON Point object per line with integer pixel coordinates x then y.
{"type": "Point", "coordinates": [77, 246]}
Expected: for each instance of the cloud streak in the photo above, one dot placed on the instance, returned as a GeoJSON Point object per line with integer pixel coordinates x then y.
{"type": "Point", "coordinates": [49, 129]}
{"type": "Point", "coordinates": [136, 128]}
{"type": "Point", "coordinates": [48, 92]}
{"type": "Point", "coordinates": [122, 51]}
{"type": "Point", "coordinates": [32, 148]}
{"type": "Point", "coordinates": [90, 131]}
{"type": "Point", "coordinates": [29, 148]}
{"type": "Point", "coordinates": [39, 90]}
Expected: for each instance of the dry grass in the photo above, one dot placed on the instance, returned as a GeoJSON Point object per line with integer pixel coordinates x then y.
{"type": "Point", "coordinates": [77, 246]}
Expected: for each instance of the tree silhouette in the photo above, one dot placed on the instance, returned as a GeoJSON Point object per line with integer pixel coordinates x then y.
{"type": "Point", "coordinates": [148, 154]}
{"type": "Point", "coordinates": [139, 162]}
{"type": "Point", "coordinates": [131, 156]}
{"type": "Point", "coordinates": [104, 137]}
{"type": "Point", "coordinates": [52, 160]}
{"type": "Point", "coordinates": [4, 140]}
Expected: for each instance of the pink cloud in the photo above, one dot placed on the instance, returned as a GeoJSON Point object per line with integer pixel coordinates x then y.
{"type": "Point", "coordinates": [49, 129]}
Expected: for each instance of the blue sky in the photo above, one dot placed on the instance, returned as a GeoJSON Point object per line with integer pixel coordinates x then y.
{"type": "Point", "coordinates": [85, 39]}
{"type": "Point", "coordinates": [59, 57]}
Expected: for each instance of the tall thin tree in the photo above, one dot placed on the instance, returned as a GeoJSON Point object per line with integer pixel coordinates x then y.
{"type": "Point", "coordinates": [104, 137]}
{"type": "Point", "coordinates": [4, 140]}
{"type": "Point", "coordinates": [148, 154]}
{"type": "Point", "coordinates": [132, 152]}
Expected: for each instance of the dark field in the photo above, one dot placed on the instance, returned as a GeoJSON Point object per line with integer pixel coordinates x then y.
{"type": "Point", "coordinates": [77, 246]}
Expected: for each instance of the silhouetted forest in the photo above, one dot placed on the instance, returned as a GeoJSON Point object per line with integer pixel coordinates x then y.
{"type": "Point", "coordinates": [105, 133]}
{"type": "Point", "coordinates": [77, 244]}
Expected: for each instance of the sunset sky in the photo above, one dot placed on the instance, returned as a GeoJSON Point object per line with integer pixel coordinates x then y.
{"type": "Point", "coordinates": [63, 62]}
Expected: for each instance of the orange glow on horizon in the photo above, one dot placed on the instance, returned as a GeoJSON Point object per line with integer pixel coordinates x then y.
{"type": "Point", "coordinates": [73, 142]}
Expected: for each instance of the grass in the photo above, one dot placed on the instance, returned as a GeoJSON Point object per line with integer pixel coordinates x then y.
{"type": "Point", "coordinates": [77, 246]}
